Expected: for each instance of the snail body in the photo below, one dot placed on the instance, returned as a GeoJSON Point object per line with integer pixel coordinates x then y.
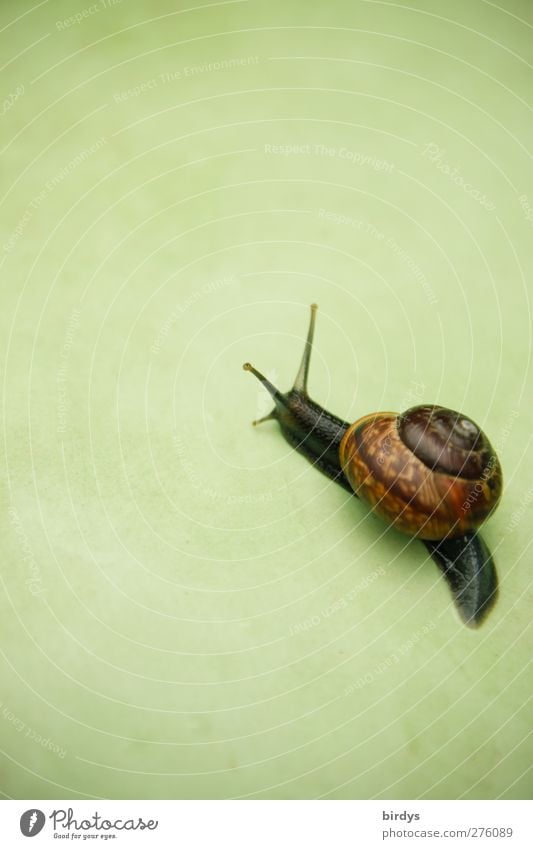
{"type": "Point", "coordinates": [431, 472]}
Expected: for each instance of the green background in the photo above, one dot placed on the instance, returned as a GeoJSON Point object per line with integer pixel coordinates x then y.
{"type": "Point", "coordinates": [187, 608]}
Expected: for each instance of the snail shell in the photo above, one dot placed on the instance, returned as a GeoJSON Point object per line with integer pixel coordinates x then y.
{"type": "Point", "coordinates": [431, 472]}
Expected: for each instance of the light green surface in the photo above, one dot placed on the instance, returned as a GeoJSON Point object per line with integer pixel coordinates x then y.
{"type": "Point", "coordinates": [187, 608]}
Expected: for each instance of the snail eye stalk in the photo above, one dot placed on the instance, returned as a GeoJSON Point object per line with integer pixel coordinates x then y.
{"type": "Point", "coordinates": [300, 383]}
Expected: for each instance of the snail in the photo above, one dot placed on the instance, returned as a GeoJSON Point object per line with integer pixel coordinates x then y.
{"type": "Point", "coordinates": [430, 472]}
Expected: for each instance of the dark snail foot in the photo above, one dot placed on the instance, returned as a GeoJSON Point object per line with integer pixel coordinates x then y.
{"type": "Point", "coordinates": [468, 567]}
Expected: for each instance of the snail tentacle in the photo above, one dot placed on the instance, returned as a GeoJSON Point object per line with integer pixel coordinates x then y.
{"type": "Point", "coordinates": [309, 428]}
{"type": "Point", "coordinates": [300, 383]}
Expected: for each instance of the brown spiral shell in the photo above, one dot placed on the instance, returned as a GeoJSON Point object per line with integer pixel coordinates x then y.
{"type": "Point", "coordinates": [430, 471]}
